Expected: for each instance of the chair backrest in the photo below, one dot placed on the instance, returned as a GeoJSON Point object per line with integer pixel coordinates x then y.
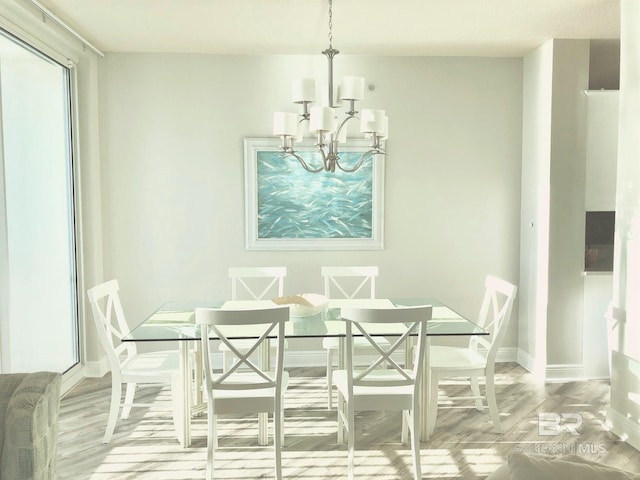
{"type": "Point", "coordinates": [494, 316]}
{"type": "Point", "coordinates": [256, 283]}
{"type": "Point", "coordinates": [265, 324]}
{"type": "Point", "coordinates": [350, 282]}
{"type": "Point", "coordinates": [111, 323]}
{"type": "Point", "coordinates": [362, 322]}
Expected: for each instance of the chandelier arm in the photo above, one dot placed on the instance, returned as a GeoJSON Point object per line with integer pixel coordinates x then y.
{"type": "Point", "coordinates": [365, 156]}
{"type": "Point", "coordinates": [303, 163]}
{"type": "Point", "coordinates": [326, 157]}
{"type": "Point", "coordinates": [349, 116]}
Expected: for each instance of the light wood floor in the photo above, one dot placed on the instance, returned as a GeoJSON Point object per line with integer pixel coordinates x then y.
{"type": "Point", "coordinates": [463, 446]}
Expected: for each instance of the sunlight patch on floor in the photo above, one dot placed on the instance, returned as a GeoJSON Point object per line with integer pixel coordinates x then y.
{"type": "Point", "coordinates": [482, 461]}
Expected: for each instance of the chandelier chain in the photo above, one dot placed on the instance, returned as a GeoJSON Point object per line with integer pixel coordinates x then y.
{"type": "Point", "coordinates": [330, 24]}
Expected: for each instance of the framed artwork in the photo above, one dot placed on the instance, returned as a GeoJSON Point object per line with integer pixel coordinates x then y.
{"type": "Point", "coordinates": [288, 208]}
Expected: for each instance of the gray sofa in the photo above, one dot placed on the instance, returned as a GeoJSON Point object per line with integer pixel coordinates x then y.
{"type": "Point", "coordinates": [543, 467]}
{"type": "Point", "coordinates": [29, 408]}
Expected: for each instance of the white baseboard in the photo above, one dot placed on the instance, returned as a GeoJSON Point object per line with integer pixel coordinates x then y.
{"type": "Point", "coordinates": [507, 355]}
{"type": "Point", "coordinates": [624, 427]}
{"type": "Point", "coordinates": [564, 372]}
{"type": "Point", "coordinates": [71, 378]}
{"type": "Point", "coordinates": [525, 360]}
{"type": "Point", "coordinates": [96, 369]}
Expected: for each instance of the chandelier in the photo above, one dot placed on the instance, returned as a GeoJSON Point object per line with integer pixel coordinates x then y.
{"type": "Point", "coordinates": [323, 122]}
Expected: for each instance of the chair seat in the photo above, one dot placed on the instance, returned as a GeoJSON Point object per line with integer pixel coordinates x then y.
{"type": "Point", "coordinates": [332, 343]}
{"type": "Point", "coordinates": [387, 398]}
{"type": "Point", "coordinates": [453, 358]}
{"type": "Point", "coordinates": [161, 363]}
{"type": "Point", "coordinates": [246, 401]}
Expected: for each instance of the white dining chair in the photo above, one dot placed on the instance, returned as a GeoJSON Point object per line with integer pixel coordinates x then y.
{"type": "Point", "coordinates": [347, 282]}
{"type": "Point", "coordinates": [479, 357]}
{"type": "Point", "coordinates": [253, 283]}
{"type": "Point", "coordinates": [245, 387]}
{"type": "Point", "coordinates": [394, 388]}
{"type": "Point", "coordinates": [127, 365]}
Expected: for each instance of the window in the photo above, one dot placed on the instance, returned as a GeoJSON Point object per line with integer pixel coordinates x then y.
{"type": "Point", "coordinates": [38, 277]}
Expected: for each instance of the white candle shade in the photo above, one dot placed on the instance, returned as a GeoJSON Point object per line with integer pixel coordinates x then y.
{"type": "Point", "coordinates": [372, 121]}
{"type": "Point", "coordinates": [285, 123]}
{"type": "Point", "coordinates": [304, 90]}
{"type": "Point", "coordinates": [352, 88]}
{"type": "Point", "coordinates": [321, 119]}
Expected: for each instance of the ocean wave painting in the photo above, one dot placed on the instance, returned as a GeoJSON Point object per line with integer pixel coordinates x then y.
{"type": "Point", "coordinates": [295, 204]}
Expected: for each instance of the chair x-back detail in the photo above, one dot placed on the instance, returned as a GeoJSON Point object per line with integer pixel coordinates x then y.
{"type": "Point", "coordinates": [257, 283]}
{"type": "Point", "coordinates": [253, 283]}
{"type": "Point", "coordinates": [372, 388]}
{"type": "Point", "coordinates": [348, 283]}
{"type": "Point", "coordinates": [478, 359]}
{"type": "Point", "coordinates": [245, 387]}
{"type": "Point", "coordinates": [126, 364]}
{"type": "Point", "coordinates": [337, 285]}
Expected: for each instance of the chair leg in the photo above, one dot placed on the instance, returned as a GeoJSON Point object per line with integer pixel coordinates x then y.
{"type": "Point", "coordinates": [340, 413]}
{"type": "Point", "coordinates": [116, 393]}
{"type": "Point", "coordinates": [329, 379]}
{"type": "Point", "coordinates": [475, 388]}
{"type": "Point", "coordinates": [178, 397]}
{"type": "Point", "coordinates": [415, 444]}
{"type": "Point", "coordinates": [491, 401]}
{"type": "Point", "coordinates": [128, 400]}
{"type": "Point", "coordinates": [212, 440]}
{"type": "Point", "coordinates": [282, 423]}
{"type": "Point", "coordinates": [277, 437]}
{"type": "Point", "coordinates": [404, 435]}
{"type": "Point", "coordinates": [433, 403]}
{"type": "Point", "coordinates": [350, 437]}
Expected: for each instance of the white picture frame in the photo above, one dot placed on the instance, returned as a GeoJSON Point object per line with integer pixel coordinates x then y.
{"type": "Point", "coordinates": [288, 208]}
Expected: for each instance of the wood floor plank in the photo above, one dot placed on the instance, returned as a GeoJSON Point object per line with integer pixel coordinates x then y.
{"type": "Point", "coordinates": [463, 446]}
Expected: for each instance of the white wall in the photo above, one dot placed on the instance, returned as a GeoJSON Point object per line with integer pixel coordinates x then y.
{"type": "Point", "coordinates": [624, 411]}
{"type": "Point", "coordinates": [552, 231]}
{"type": "Point", "coordinates": [534, 227]}
{"type": "Point", "coordinates": [602, 148]}
{"type": "Point", "coordinates": [566, 230]}
{"type": "Point", "coordinates": [600, 195]}
{"type": "Point", "coordinates": [172, 128]}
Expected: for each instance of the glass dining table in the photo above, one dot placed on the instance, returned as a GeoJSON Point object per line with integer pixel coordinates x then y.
{"type": "Point", "coordinates": [175, 322]}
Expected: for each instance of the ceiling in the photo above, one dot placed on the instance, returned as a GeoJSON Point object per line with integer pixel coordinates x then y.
{"type": "Point", "coordinates": [364, 27]}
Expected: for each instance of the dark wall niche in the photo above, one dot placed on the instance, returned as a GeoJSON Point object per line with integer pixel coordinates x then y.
{"type": "Point", "coordinates": [598, 241]}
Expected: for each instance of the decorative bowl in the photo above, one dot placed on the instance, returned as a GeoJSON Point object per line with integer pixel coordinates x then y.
{"type": "Point", "coordinates": [304, 304]}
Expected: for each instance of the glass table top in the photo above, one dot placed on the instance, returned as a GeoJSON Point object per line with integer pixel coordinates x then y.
{"type": "Point", "coordinates": [175, 321]}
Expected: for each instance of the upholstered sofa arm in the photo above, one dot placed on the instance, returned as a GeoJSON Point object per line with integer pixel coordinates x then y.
{"type": "Point", "coordinates": [527, 467]}
{"type": "Point", "coordinates": [29, 409]}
